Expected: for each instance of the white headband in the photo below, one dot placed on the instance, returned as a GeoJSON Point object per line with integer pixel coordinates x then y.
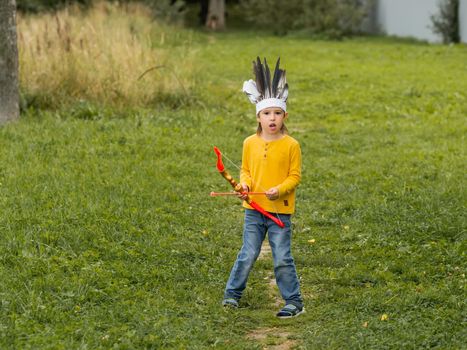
{"type": "Point", "coordinates": [271, 102]}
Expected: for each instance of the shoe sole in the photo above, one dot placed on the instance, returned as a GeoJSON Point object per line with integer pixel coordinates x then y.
{"type": "Point", "coordinates": [297, 314]}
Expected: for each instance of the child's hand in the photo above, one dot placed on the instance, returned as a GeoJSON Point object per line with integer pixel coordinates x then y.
{"type": "Point", "coordinates": [272, 193]}
{"type": "Point", "coordinates": [244, 195]}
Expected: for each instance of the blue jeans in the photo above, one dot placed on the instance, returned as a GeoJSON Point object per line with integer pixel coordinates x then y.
{"type": "Point", "coordinates": [254, 231]}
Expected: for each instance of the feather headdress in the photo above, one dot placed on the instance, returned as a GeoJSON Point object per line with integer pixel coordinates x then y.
{"type": "Point", "coordinates": [263, 92]}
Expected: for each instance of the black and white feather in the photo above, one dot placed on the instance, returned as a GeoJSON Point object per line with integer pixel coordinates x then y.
{"type": "Point", "coordinates": [263, 88]}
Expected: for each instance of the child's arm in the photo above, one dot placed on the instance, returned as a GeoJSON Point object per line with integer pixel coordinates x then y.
{"type": "Point", "coordinates": [295, 173]}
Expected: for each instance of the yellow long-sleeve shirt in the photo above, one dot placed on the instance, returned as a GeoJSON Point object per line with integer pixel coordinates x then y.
{"type": "Point", "coordinates": [267, 164]}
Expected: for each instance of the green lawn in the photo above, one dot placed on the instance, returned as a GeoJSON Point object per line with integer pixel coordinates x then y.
{"type": "Point", "coordinates": [109, 239]}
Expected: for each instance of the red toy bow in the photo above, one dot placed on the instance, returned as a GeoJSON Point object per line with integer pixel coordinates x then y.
{"type": "Point", "coordinates": [238, 188]}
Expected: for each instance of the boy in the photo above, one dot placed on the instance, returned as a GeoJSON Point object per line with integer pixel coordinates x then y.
{"type": "Point", "coordinates": [271, 162]}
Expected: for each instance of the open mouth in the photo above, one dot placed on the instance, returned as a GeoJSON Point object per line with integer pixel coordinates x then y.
{"type": "Point", "coordinates": [272, 125]}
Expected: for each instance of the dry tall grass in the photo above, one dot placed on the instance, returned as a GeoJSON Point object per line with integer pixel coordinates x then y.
{"type": "Point", "coordinates": [112, 55]}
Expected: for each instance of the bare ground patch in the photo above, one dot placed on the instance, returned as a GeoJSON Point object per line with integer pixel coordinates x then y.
{"type": "Point", "coordinates": [273, 292]}
{"type": "Point", "coordinates": [265, 250]}
{"type": "Point", "coordinates": [272, 338]}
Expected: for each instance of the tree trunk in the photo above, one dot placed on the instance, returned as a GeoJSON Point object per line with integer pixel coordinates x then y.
{"type": "Point", "coordinates": [9, 96]}
{"type": "Point", "coordinates": [203, 12]}
{"type": "Point", "coordinates": [216, 15]}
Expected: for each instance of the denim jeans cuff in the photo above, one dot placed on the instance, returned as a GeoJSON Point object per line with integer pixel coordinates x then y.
{"type": "Point", "coordinates": [229, 296]}
{"type": "Point", "coordinates": [296, 303]}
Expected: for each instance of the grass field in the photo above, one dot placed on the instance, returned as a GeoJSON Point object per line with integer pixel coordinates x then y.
{"type": "Point", "coordinates": [109, 238]}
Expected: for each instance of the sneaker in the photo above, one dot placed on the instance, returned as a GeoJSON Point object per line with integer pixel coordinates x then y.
{"type": "Point", "coordinates": [289, 311]}
{"type": "Point", "coordinates": [230, 302]}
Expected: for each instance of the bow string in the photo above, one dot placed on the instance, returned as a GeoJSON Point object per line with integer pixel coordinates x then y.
{"type": "Point", "coordinates": [238, 188]}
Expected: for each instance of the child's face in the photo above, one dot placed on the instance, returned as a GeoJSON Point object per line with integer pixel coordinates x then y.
{"type": "Point", "coordinates": [271, 120]}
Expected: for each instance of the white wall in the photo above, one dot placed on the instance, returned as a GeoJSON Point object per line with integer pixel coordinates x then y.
{"type": "Point", "coordinates": [463, 20]}
{"type": "Point", "coordinates": [409, 18]}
